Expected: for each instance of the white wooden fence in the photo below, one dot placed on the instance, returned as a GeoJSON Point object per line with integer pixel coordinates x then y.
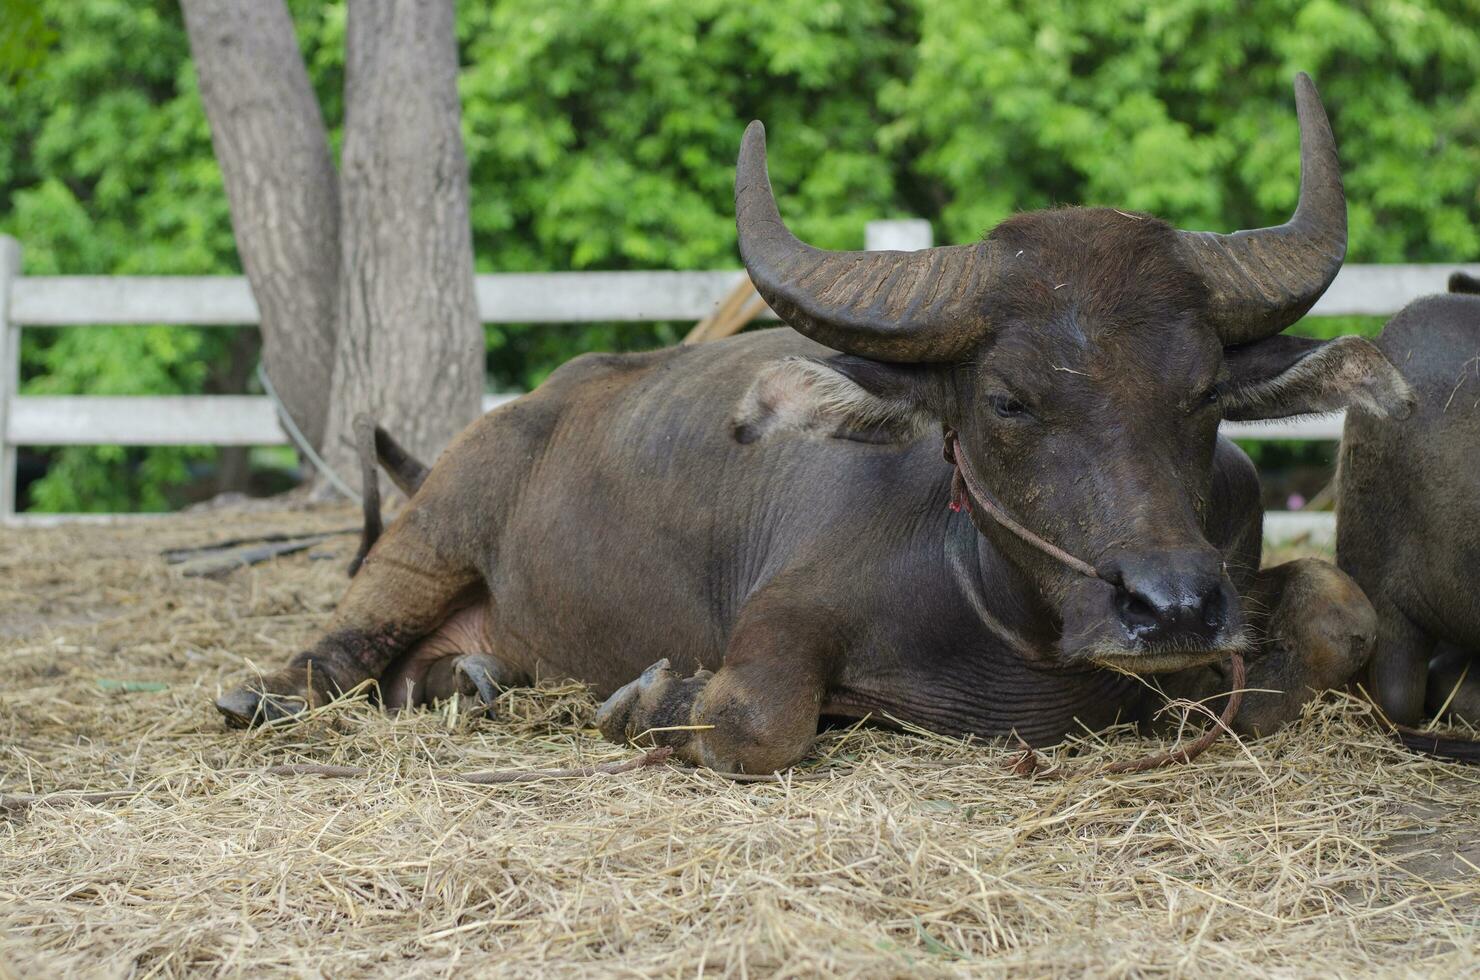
{"type": "Point", "coordinates": [550, 297]}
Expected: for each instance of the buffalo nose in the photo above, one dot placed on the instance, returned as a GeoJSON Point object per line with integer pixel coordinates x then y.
{"type": "Point", "coordinates": [1171, 596]}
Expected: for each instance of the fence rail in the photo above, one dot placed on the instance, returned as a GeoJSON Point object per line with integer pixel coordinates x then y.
{"type": "Point", "coordinates": [543, 298]}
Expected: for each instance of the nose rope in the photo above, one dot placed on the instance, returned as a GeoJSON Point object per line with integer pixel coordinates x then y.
{"type": "Point", "coordinates": [967, 490]}
{"type": "Point", "coordinates": [1030, 764]}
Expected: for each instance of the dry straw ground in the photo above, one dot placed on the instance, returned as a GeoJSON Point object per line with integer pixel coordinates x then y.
{"type": "Point", "coordinates": [1324, 851]}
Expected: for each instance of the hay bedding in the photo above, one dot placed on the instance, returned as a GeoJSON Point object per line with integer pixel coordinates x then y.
{"type": "Point", "coordinates": [1322, 851]}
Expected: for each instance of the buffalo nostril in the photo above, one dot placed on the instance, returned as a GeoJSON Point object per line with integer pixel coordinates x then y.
{"type": "Point", "coordinates": [1176, 597]}
{"type": "Point", "coordinates": [1135, 611]}
{"type": "Point", "coordinates": [1155, 616]}
{"type": "Point", "coordinates": [1214, 609]}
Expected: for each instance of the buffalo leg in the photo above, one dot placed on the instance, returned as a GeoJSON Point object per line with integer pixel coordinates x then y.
{"type": "Point", "coordinates": [757, 714]}
{"type": "Point", "coordinates": [1399, 673]}
{"type": "Point", "coordinates": [404, 591]}
{"type": "Point", "coordinates": [1314, 628]}
{"type": "Point", "coordinates": [456, 659]}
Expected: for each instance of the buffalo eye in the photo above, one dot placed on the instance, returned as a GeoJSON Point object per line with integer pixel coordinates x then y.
{"type": "Point", "coordinates": [1008, 407]}
{"type": "Point", "coordinates": [1208, 398]}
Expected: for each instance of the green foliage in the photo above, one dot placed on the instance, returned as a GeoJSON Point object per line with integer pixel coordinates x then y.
{"type": "Point", "coordinates": [601, 134]}
{"type": "Point", "coordinates": [106, 160]}
{"type": "Point", "coordinates": [1183, 108]}
{"type": "Point", "coordinates": [25, 38]}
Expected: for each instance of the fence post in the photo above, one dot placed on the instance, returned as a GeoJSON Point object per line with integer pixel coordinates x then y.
{"type": "Point", "coordinates": [905, 235]}
{"type": "Point", "coordinates": [10, 372]}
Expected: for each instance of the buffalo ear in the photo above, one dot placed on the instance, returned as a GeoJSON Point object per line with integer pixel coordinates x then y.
{"type": "Point", "coordinates": [842, 397]}
{"type": "Point", "coordinates": [1284, 376]}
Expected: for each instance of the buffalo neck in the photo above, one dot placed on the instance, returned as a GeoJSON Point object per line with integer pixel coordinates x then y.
{"type": "Point", "coordinates": [1006, 601]}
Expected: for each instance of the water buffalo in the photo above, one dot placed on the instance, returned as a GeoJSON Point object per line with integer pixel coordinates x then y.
{"type": "Point", "coordinates": [1409, 512]}
{"type": "Point", "coordinates": [765, 520]}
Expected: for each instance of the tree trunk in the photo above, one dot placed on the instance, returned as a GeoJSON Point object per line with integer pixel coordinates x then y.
{"type": "Point", "coordinates": [410, 346]}
{"type": "Point", "coordinates": [269, 138]}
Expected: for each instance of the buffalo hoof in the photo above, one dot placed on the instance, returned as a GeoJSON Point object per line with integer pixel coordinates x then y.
{"type": "Point", "coordinates": [654, 705]}
{"type": "Point", "coordinates": [1454, 687]}
{"type": "Point", "coordinates": [478, 673]}
{"type": "Point", "coordinates": [246, 707]}
{"type": "Point", "coordinates": [473, 677]}
{"type": "Point", "coordinates": [276, 697]}
{"type": "Point", "coordinates": [615, 714]}
{"type": "Point", "coordinates": [1319, 635]}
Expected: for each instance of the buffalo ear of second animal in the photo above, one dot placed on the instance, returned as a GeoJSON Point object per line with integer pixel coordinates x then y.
{"type": "Point", "coordinates": [1283, 376]}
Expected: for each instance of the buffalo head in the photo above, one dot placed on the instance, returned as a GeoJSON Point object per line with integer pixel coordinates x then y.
{"type": "Point", "coordinates": [1085, 357]}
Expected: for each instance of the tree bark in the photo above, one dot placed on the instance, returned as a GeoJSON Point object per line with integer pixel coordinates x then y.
{"type": "Point", "coordinates": [269, 138]}
{"type": "Point", "coordinates": [410, 346]}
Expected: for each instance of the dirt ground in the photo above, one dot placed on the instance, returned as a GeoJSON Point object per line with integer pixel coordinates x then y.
{"type": "Point", "coordinates": [1322, 851]}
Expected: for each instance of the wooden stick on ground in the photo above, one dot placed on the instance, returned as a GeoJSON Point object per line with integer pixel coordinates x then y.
{"type": "Point", "coordinates": [209, 564]}
{"type": "Point", "coordinates": [653, 757]}
{"type": "Point", "coordinates": [650, 758]}
{"type": "Point", "coordinates": [24, 801]}
{"type": "Point", "coordinates": [174, 556]}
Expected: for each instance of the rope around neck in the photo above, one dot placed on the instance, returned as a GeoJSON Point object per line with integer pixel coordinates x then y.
{"type": "Point", "coordinates": [967, 490]}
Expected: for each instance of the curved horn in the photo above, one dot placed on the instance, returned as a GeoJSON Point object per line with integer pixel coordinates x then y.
{"type": "Point", "coordinates": [1262, 281]}
{"type": "Point", "coordinates": [891, 306]}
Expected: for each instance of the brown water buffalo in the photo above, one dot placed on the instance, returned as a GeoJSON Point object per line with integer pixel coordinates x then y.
{"type": "Point", "coordinates": [765, 520]}
{"type": "Point", "coordinates": [1409, 512]}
